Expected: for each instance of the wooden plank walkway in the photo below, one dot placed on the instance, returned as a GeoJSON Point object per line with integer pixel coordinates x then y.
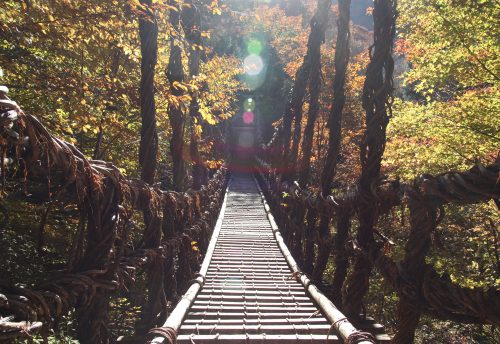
{"type": "Point", "coordinates": [250, 293]}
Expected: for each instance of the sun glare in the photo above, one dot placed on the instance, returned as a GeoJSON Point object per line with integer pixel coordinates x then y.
{"type": "Point", "coordinates": [253, 64]}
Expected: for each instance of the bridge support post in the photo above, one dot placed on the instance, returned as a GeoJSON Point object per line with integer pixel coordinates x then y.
{"type": "Point", "coordinates": [341, 256]}
{"type": "Point", "coordinates": [423, 222]}
{"type": "Point", "coordinates": [309, 253]}
{"type": "Point", "coordinates": [92, 320]}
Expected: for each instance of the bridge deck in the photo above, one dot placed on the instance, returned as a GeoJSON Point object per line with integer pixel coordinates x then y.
{"type": "Point", "coordinates": [250, 294]}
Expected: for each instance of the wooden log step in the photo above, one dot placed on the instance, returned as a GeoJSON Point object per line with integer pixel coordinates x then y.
{"type": "Point", "coordinates": [276, 274]}
{"type": "Point", "coordinates": [257, 271]}
{"type": "Point", "coordinates": [244, 205]}
{"type": "Point", "coordinates": [246, 255]}
{"type": "Point", "coordinates": [251, 270]}
{"type": "Point", "coordinates": [211, 314]}
{"type": "Point", "coordinates": [261, 309]}
{"type": "Point", "coordinates": [256, 237]}
{"type": "Point", "coordinates": [256, 338]}
{"type": "Point", "coordinates": [255, 329]}
{"type": "Point", "coordinates": [251, 275]}
{"type": "Point", "coordinates": [270, 321]}
{"type": "Point", "coordinates": [278, 284]}
{"type": "Point", "coordinates": [252, 241]}
{"type": "Point", "coordinates": [267, 263]}
{"type": "Point", "coordinates": [256, 241]}
{"type": "Point", "coordinates": [263, 230]}
{"type": "Point", "coordinates": [243, 257]}
{"type": "Point", "coordinates": [239, 219]}
{"type": "Point", "coordinates": [232, 220]}
{"type": "Point", "coordinates": [247, 235]}
{"type": "Point", "coordinates": [232, 277]}
{"type": "Point", "coordinates": [248, 252]}
{"type": "Point", "coordinates": [292, 294]}
{"type": "Point", "coordinates": [242, 281]}
{"type": "Point", "coordinates": [248, 247]}
{"type": "Point", "coordinates": [243, 266]}
{"type": "Point", "coordinates": [246, 274]}
{"type": "Point", "coordinates": [216, 304]}
{"type": "Point", "coordinates": [244, 232]}
{"type": "Point", "coordinates": [227, 251]}
{"type": "Point", "coordinates": [261, 243]}
{"type": "Point", "coordinates": [286, 288]}
{"type": "Point", "coordinates": [248, 260]}
{"type": "Point", "coordinates": [254, 285]}
{"type": "Point", "coordinates": [252, 295]}
{"type": "Point", "coordinates": [232, 263]}
{"type": "Point", "coordinates": [236, 254]}
{"type": "Point", "coordinates": [239, 300]}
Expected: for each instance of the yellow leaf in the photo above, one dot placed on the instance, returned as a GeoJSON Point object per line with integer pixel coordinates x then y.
{"type": "Point", "coordinates": [198, 130]}
{"type": "Point", "coordinates": [179, 85]}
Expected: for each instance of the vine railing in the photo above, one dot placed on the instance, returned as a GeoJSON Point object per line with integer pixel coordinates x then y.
{"type": "Point", "coordinates": [105, 258]}
{"type": "Point", "coordinates": [420, 288]}
{"type": "Point", "coordinates": [317, 224]}
{"type": "Point", "coordinates": [306, 218]}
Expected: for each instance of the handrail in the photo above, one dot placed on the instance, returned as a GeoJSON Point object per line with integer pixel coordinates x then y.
{"type": "Point", "coordinates": [174, 321]}
{"type": "Point", "coordinates": [339, 321]}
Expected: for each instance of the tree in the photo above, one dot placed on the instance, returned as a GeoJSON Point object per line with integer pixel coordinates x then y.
{"type": "Point", "coordinates": [334, 140]}
{"type": "Point", "coordinates": [448, 118]}
{"type": "Point", "coordinates": [175, 75]}
{"type": "Point", "coordinates": [191, 22]}
{"type": "Point", "coordinates": [377, 99]}
{"type": "Point", "coordinates": [148, 32]}
{"type": "Point", "coordinates": [293, 112]}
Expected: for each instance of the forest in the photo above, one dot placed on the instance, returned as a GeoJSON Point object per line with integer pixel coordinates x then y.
{"type": "Point", "coordinates": [372, 127]}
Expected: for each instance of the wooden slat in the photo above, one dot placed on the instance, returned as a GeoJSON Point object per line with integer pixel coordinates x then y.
{"type": "Point", "coordinates": [256, 329]}
{"type": "Point", "coordinates": [283, 313]}
{"type": "Point", "coordinates": [256, 338]}
{"type": "Point", "coordinates": [253, 292]}
{"type": "Point", "coordinates": [262, 309]}
{"type": "Point", "coordinates": [270, 321]}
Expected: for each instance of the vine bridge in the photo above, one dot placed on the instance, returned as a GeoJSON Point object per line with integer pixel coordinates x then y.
{"type": "Point", "coordinates": [244, 258]}
{"type": "Point", "coordinates": [250, 289]}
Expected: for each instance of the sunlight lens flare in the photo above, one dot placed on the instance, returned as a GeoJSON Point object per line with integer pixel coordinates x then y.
{"type": "Point", "coordinates": [249, 105]}
{"type": "Point", "coordinates": [253, 65]}
{"type": "Point", "coordinates": [248, 117]}
{"type": "Point", "coordinates": [254, 47]}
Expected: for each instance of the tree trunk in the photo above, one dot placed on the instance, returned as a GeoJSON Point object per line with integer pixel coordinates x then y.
{"type": "Point", "coordinates": [115, 65]}
{"type": "Point", "coordinates": [377, 93]}
{"type": "Point", "coordinates": [335, 117]}
{"type": "Point", "coordinates": [148, 149]}
{"type": "Point", "coordinates": [311, 60]}
{"type": "Point", "coordinates": [296, 101]}
{"type": "Point", "coordinates": [320, 21]}
{"type": "Point", "coordinates": [175, 74]}
{"type": "Point", "coordinates": [341, 254]}
{"type": "Point", "coordinates": [191, 22]}
{"type": "Point", "coordinates": [334, 121]}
